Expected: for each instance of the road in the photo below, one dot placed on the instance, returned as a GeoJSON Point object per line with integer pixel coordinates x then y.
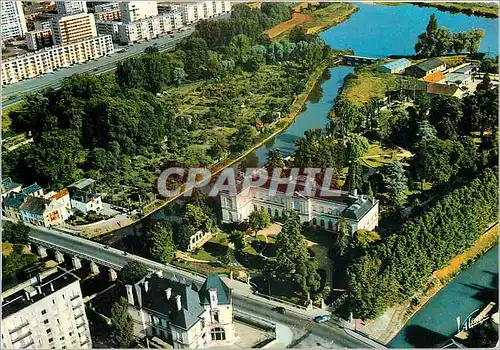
{"type": "Point", "coordinates": [12, 94]}
{"type": "Point", "coordinates": [296, 319]}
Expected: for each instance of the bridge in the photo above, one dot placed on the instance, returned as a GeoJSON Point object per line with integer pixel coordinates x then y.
{"type": "Point", "coordinates": [351, 60]}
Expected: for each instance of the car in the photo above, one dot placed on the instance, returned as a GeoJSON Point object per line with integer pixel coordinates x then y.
{"type": "Point", "coordinates": [94, 68]}
{"type": "Point", "coordinates": [321, 319]}
{"type": "Point", "coordinates": [279, 309]}
{"type": "Point", "coordinates": [106, 247]}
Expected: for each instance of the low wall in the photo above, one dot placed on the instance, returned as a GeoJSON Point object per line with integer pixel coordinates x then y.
{"type": "Point", "coordinates": [253, 320]}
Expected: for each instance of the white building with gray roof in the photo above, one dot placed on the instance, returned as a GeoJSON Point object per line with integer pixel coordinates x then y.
{"type": "Point", "coordinates": [182, 314]}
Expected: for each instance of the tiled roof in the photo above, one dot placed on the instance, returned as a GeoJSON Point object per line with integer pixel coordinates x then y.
{"type": "Point", "coordinates": [35, 205]}
{"type": "Point", "coordinates": [14, 200]}
{"type": "Point", "coordinates": [155, 299]}
{"type": "Point", "coordinates": [213, 281]}
{"type": "Point", "coordinates": [31, 188]}
{"type": "Point", "coordinates": [61, 193]}
{"type": "Point", "coordinates": [433, 77]}
{"type": "Point", "coordinates": [430, 64]}
{"type": "Point", "coordinates": [8, 184]}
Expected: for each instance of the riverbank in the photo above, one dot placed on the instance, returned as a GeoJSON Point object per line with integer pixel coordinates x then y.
{"type": "Point", "coordinates": [389, 324]}
{"type": "Point", "coordinates": [489, 10]}
{"type": "Point", "coordinates": [314, 20]}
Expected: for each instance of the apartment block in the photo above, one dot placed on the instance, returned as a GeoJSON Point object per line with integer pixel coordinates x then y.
{"type": "Point", "coordinates": [69, 7]}
{"type": "Point", "coordinates": [73, 28]}
{"type": "Point", "coordinates": [111, 15]}
{"type": "Point", "coordinates": [108, 28]}
{"type": "Point", "coordinates": [149, 28]}
{"type": "Point", "coordinates": [50, 59]}
{"type": "Point", "coordinates": [196, 11]}
{"type": "Point", "coordinates": [45, 24]}
{"type": "Point", "coordinates": [136, 10]}
{"type": "Point", "coordinates": [109, 6]}
{"type": "Point", "coordinates": [38, 39]}
{"type": "Point", "coordinates": [13, 21]}
{"type": "Point", "coordinates": [45, 312]}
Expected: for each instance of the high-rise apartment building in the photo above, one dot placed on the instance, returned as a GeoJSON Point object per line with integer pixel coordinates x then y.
{"type": "Point", "coordinates": [73, 28]}
{"type": "Point", "coordinates": [71, 7]}
{"type": "Point", "coordinates": [13, 21]}
{"type": "Point", "coordinates": [136, 10]}
{"type": "Point", "coordinates": [45, 312]}
{"type": "Point", "coordinates": [38, 39]}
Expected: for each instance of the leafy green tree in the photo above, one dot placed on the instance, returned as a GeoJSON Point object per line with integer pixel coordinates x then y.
{"type": "Point", "coordinates": [243, 139]}
{"type": "Point", "coordinates": [483, 336]}
{"type": "Point", "coordinates": [354, 180]}
{"type": "Point", "coordinates": [219, 149]}
{"type": "Point", "coordinates": [435, 41]}
{"type": "Point", "coordinates": [195, 217]}
{"type": "Point", "coordinates": [363, 239]}
{"type": "Point", "coordinates": [426, 130]}
{"type": "Point", "coordinates": [343, 237]}
{"type": "Point", "coordinates": [357, 146]}
{"type": "Point", "coordinates": [238, 239]}
{"type": "Point", "coordinates": [446, 116]}
{"type": "Point", "coordinates": [258, 220]}
{"type": "Point", "coordinates": [160, 242]}
{"type": "Point", "coordinates": [182, 236]}
{"type": "Point", "coordinates": [298, 34]}
{"type": "Point", "coordinates": [132, 272]}
{"type": "Point", "coordinates": [474, 38]}
{"type": "Point", "coordinates": [459, 41]}
{"type": "Point", "coordinates": [15, 233]}
{"type": "Point", "coordinates": [395, 183]}
{"type": "Point", "coordinates": [122, 325]}
{"type": "Point", "coordinates": [275, 159]}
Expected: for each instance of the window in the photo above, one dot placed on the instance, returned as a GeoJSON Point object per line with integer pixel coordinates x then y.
{"type": "Point", "coordinates": [269, 212]}
{"type": "Point", "coordinates": [48, 331]}
{"type": "Point", "coordinates": [330, 225]}
{"type": "Point", "coordinates": [218, 334]}
{"type": "Point", "coordinates": [62, 338]}
{"type": "Point", "coordinates": [322, 223]}
{"type": "Point", "coordinates": [44, 312]}
{"type": "Point", "coordinates": [216, 316]}
{"type": "Point", "coordinates": [70, 334]}
{"type": "Point", "coordinates": [53, 301]}
{"type": "Point", "coordinates": [276, 214]}
{"type": "Point", "coordinates": [46, 321]}
{"type": "Point", "coordinates": [315, 221]}
{"type": "Point", "coordinates": [51, 340]}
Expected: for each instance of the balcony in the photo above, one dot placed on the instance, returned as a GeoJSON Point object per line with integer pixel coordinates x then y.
{"type": "Point", "coordinates": [24, 324]}
{"type": "Point", "coordinates": [21, 337]}
{"type": "Point", "coordinates": [32, 342]}
{"type": "Point", "coordinates": [74, 297]}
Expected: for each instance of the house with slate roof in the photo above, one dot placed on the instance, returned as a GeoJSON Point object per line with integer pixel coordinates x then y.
{"type": "Point", "coordinates": [314, 208]}
{"type": "Point", "coordinates": [12, 205]}
{"type": "Point", "coordinates": [86, 202]}
{"type": "Point", "coordinates": [7, 186]}
{"type": "Point", "coordinates": [33, 190]}
{"type": "Point", "coordinates": [425, 68]}
{"type": "Point", "coordinates": [182, 314]}
{"type": "Point", "coordinates": [42, 212]}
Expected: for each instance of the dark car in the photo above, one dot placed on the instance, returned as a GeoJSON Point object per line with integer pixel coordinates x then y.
{"type": "Point", "coordinates": [321, 319]}
{"type": "Point", "coordinates": [279, 309]}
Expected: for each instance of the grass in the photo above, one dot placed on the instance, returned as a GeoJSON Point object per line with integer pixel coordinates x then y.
{"type": "Point", "coordinates": [378, 156]}
{"type": "Point", "coordinates": [297, 19]}
{"type": "Point", "coordinates": [476, 8]}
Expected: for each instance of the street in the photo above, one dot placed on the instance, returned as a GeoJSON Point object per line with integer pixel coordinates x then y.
{"type": "Point", "coordinates": [12, 94]}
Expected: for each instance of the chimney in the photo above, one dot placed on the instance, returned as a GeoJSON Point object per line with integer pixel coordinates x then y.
{"type": "Point", "coordinates": [146, 286]}
{"type": "Point", "coordinates": [168, 293]}
{"type": "Point", "coordinates": [39, 289]}
{"type": "Point", "coordinates": [355, 192]}
{"type": "Point", "coordinates": [130, 294]}
{"type": "Point", "coordinates": [213, 297]}
{"type": "Point", "coordinates": [27, 295]}
{"type": "Point", "coordinates": [51, 286]}
{"type": "Point", "coordinates": [178, 302]}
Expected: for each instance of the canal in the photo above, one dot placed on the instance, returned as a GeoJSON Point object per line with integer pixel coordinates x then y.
{"type": "Point", "coordinates": [472, 289]}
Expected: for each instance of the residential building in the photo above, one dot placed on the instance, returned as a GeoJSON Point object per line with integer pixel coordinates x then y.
{"type": "Point", "coordinates": [194, 11]}
{"type": "Point", "coordinates": [132, 11]}
{"type": "Point", "coordinates": [50, 59]}
{"type": "Point", "coordinates": [43, 212]}
{"type": "Point", "coordinates": [33, 190]}
{"type": "Point", "coordinates": [425, 68]}
{"type": "Point", "coordinates": [105, 7]}
{"type": "Point", "coordinates": [45, 312]}
{"type": "Point", "coordinates": [434, 77]}
{"type": "Point", "coordinates": [458, 79]}
{"type": "Point", "coordinates": [73, 28]}
{"type": "Point", "coordinates": [444, 90]}
{"type": "Point", "coordinates": [109, 28]}
{"type": "Point", "coordinates": [181, 314]}
{"type": "Point", "coordinates": [62, 197]}
{"type": "Point", "coordinates": [12, 204]}
{"type": "Point", "coordinates": [360, 211]}
{"type": "Point", "coordinates": [86, 202]}
{"type": "Point", "coordinates": [111, 15]}
{"type": "Point", "coordinates": [86, 184]}
{"type": "Point", "coordinates": [44, 24]}
{"type": "Point", "coordinates": [149, 28]}
{"type": "Point", "coordinates": [395, 67]}
{"type": "Point", "coordinates": [468, 68]}
{"type": "Point", "coordinates": [13, 21]}
{"type": "Point", "coordinates": [70, 7]}
{"type": "Point", "coordinates": [38, 39]}
{"type": "Point", "coordinates": [7, 186]}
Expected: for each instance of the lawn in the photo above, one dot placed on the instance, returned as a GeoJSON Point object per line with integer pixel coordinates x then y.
{"type": "Point", "coordinates": [378, 156]}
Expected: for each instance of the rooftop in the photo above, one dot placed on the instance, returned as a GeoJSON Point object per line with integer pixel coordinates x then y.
{"type": "Point", "coordinates": [35, 205]}
{"type": "Point", "coordinates": [8, 185]}
{"type": "Point", "coordinates": [31, 188]}
{"type": "Point", "coordinates": [397, 63]}
{"type": "Point", "coordinates": [223, 292]}
{"type": "Point", "coordinates": [433, 77]}
{"type": "Point", "coordinates": [34, 290]}
{"type": "Point", "coordinates": [430, 64]}
{"type": "Point", "coordinates": [82, 183]}
{"type": "Point", "coordinates": [442, 89]}
{"type": "Point", "coordinates": [14, 200]}
{"type": "Point", "coordinates": [453, 77]}
{"type": "Point", "coordinates": [61, 193]}
{"type": "Point", "coordinates": [84, 196]}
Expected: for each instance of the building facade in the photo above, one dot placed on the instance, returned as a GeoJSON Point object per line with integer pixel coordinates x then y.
{"type": "Point", "coordinates": [111, 15]}
{"type": "Point", "coordinates": [180, 314]}
{"type": "Point", "coordinates": [38, 39]}
{"type": "Point", "coordinates": [105, 7]}
{"type": "Point", "coordinates": [50, 59]}
{"type": "Point", "coordinates": [69, 7]}
{"type": "Point", "coordinates": [425, 68]}
{"type": "Point", "coordinates": [109, 28]}
{"type": "Point", "coordinates": [86, 202]}
{"type": "Point", "coordinates": [73, 28]}
{"type": "Point", "coordinates": [7, 186]}
{"type": "Point", "coordinates": [195, 11]}
{"type": "Point", "coordinates": [45, 312]}
{"type": "Point", "coordinates": [43, 212]}
{"type": "Point", "coordinates": [149, 28]}
{"type": "Point", "coordinates": [132, 11]}
{"type": "Point", "coordinates": [360, 211]}
{"type": "Point", "coordinates": [13, 21]}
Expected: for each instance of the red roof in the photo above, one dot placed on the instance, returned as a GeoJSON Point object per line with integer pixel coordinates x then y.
{"type": "Point", "coordinates": [61, 194]}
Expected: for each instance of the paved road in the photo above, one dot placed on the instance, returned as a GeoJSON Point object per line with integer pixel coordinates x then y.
{"type": "Point", "coordinates": [298, 321]}
{"type": "Point", "coordinates": [12, 94]}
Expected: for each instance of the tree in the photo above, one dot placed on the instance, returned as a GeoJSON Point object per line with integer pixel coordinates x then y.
{"type": "Point", "coordinates": [343, 237]}
{"type": "Point", "coordinates": [446, 116]}
{"type": "Point", "coordinates": [243, 139]}
{"type": "Point", "coordinates": [160, 243]}
{"type": "Point", "coordinates": [357, 146]}
{"type": "Point", "coordinates": [258, 220]}
{"type": "Point", "coordinates": [178, 75]}
{"type": "Point", "coordinates": [354, 180]}
{"type": "Point", "coordinates": [182, 236]}
{"type": "Point", "coordinates": [195, 217]}
{"type": "Point", "coordinates": [426, 130]}
{"type": "Point", "coordinates": [15, 233]}
{"type": "Point", "coordinates": [238, 239]}
{"type": "Point", "coordinates": [363, 239]}
{"type": "Point", "coordinates": [122, 325]}
{"type": "Point", "coordinates": [395, 183]}
{"type": "Point", "coordinates": [219, 149]}
{"type": "Point", "coordinates": [132, 272]}
{"type": "Point", "coordinates": [474, 38]}
{"type": "Point", "coordinates": [435, 41]}
{"type": "Point", "coordinates": [275, 159]}
{"type": "Point", "coordinates": [483, 336]}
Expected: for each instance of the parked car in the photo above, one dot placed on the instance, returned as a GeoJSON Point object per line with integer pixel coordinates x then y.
{"type": "Point", "coordinates": [279, 309]}
{"type": "Point", "coordinates": [321, 319]}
